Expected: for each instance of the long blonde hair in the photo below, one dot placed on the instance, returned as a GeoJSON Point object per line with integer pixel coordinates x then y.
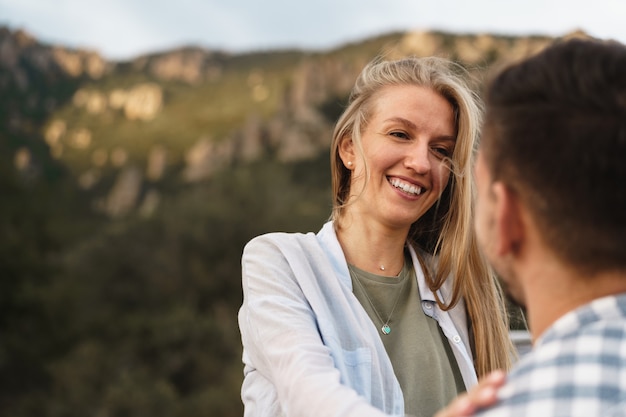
{"type": "Point", "coordinates": [446, 230]}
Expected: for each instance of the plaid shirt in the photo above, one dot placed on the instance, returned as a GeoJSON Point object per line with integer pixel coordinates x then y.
{"type": "Point", "coordinates": [577, 369]}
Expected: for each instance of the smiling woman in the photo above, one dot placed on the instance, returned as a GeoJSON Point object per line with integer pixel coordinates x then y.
{"type": "Point", "coordinates": [389, 309]}
{"type": "Point", "coordinates": [401, 168]}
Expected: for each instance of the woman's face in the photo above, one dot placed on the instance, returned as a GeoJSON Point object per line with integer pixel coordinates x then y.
{"type": "Point", "coordinates": [407, 143]}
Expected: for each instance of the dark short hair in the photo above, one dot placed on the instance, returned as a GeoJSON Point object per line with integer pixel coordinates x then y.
{"type": "Point", "coordinates": [555, 133]}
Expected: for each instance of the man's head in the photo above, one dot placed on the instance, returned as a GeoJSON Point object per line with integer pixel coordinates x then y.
{"type": "Point", "coordinates": [554, 139]}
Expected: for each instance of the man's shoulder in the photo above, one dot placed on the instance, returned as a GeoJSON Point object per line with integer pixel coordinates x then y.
{"type": "Point", "coordinates": [578, 374]}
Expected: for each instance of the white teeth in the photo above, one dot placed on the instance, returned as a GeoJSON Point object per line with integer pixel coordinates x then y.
{"type": "Point", "coordinates": [406, 187]}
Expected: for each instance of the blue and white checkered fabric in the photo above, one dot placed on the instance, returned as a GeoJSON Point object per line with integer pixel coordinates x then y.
{"type": "Point", "coordinates": [577, 369]}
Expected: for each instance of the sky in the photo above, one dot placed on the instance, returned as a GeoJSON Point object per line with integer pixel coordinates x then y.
{"type": "Point", "coordinates": [125, 29]}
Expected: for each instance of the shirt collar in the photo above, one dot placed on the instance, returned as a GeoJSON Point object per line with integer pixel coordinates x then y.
{"type": "Point", "coordinates": [328, 240]}
{"type": "Point", "coordinates": [609, 308]}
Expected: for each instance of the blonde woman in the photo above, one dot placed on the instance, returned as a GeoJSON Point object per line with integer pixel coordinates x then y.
{"type": "Point", "coordinates": [389, 309]}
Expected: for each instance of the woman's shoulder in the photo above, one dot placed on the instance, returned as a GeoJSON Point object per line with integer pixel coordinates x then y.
{"type": "Point", "coordinates": [279, 242]}
{"type": "Point", "coordinates": [280, 239]}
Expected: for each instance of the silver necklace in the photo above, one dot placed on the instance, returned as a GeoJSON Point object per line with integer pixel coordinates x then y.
{"type": "Point", "coordinates": [385, 328]}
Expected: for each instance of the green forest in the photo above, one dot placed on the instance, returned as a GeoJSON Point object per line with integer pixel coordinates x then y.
{"type": "Point", "coordinates": [122, 227]}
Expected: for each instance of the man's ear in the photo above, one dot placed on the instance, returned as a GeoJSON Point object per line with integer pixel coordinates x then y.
{"type": "Point", "coordinates": [510, 224]}
{"type": "Point", "coordinates": [346, 152]}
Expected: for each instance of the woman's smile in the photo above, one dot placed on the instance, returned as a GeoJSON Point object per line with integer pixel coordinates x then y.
{"type": "Point", "coordinates": [405, 186]}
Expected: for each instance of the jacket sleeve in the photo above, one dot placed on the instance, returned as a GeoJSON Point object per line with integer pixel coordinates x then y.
{"type": "Point", "coordinates": [283, 349]}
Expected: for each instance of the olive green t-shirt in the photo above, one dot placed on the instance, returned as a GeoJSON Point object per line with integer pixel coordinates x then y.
{"type": "Point", "coordinates": [420, 353]}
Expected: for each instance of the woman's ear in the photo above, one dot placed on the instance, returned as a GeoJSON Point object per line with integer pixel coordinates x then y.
{"type": "Point", "coordinates": [509, 220]}
{"type": "Point", "coordinates": [346, 152]}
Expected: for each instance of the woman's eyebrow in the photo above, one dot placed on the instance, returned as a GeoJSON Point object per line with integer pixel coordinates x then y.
{"type": "Point", "coordinates": [446, 138]}
{"type": "Point", "coordinates": [409, 124]}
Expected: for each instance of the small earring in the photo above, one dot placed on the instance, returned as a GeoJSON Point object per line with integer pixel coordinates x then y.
{"type": "Point", "coordinates": [349, 163]}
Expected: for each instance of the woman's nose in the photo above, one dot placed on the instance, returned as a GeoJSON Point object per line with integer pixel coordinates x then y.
{"type": "Point", "coordinates": [418, 159]}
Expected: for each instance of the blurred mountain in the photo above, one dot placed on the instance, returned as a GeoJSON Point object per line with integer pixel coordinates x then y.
{"type": "Point", "coordinates": [124, 128]}
{"type": "Point", "coordinates": [128, 191]}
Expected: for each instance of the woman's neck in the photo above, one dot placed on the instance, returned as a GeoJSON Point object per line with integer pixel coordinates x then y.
{"type": "Point", "coordinates": [373, 247]}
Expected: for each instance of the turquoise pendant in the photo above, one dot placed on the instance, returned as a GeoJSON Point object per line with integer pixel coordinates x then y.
{"type": "Point", "coordinates": [385, 329]}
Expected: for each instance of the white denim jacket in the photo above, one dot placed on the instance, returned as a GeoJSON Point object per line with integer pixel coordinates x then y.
{"type": "Point", "coordinates": [309, 347]}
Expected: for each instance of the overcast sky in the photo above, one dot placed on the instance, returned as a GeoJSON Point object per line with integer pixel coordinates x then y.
{"type": "Point", "coordinates": [122, 29]}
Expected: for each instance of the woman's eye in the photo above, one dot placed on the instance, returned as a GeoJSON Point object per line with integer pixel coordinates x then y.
{"type": "Point", "coordinates": [400, 134]}
{"type": "Point", "coordinates": [443, 152]}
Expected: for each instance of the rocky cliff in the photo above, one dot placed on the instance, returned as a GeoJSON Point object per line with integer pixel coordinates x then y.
{"type": "Point", "coordinates": [122, 128]}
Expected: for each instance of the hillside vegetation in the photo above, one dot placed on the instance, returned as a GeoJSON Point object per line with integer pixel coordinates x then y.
{"type": "Point", "coordinates": [128, 191]}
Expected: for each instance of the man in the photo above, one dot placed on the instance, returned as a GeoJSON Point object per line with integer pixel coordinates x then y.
{"type": "Point", "coordinates": [551, 218]}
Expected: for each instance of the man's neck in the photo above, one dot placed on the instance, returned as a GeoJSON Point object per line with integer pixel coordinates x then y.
{"type": "Point", "coordinates": [554, 290]}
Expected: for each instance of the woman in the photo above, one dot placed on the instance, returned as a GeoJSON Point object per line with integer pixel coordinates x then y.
{"type": "Point", "coordinates": [389, 309]}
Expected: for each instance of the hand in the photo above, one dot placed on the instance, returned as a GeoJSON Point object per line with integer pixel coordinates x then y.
{"type": "Point", "coordinates": [482, 395]}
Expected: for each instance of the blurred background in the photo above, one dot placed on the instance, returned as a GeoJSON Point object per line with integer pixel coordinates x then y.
{"type": "Point", "coordinates": [142, 144]}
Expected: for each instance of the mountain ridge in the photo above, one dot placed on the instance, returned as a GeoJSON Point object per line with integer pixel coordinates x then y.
{"type": "Point", "coordinates": [192, 111]}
